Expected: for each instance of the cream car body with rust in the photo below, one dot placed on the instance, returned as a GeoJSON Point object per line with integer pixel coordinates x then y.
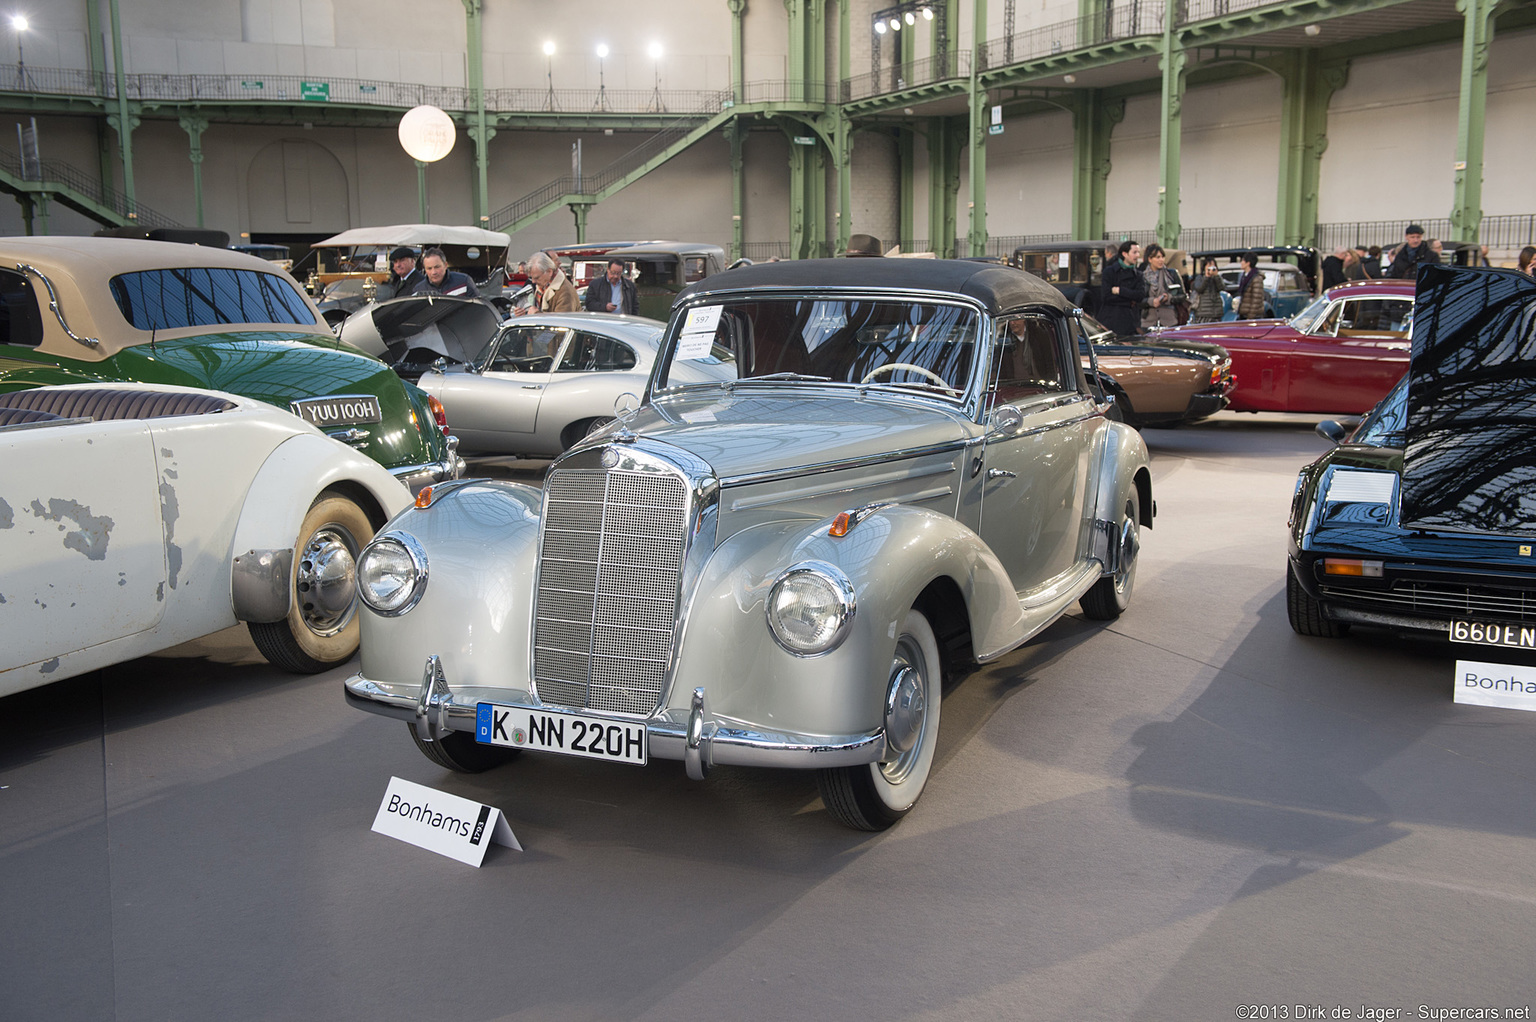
{"type": "Point", "coordinates": [899, 469]}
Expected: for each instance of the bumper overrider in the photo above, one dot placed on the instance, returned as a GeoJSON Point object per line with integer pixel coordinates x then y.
{"type": "Point", "coordinates": [434, 709]}
{"type": "Point", "coordinates": [450, 466]}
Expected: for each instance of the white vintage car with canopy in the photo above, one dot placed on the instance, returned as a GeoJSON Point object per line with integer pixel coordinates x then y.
{"type": "Point", "coordinates": [893, 469]}
{"type": "Point", "coordinates": [135, 516]}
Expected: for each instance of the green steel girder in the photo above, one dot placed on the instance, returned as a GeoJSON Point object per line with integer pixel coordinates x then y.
{"type": "Point", "coordinates": [66, 106]}
{"type": "Point", "coordinates": [1467, 205]}
{"type": "Point", "coordinates": [1093, 123]}
{"type": "Point", "coordinates": [1170, 138]}
{"type": "Point", "coordinates": [1292, 14]}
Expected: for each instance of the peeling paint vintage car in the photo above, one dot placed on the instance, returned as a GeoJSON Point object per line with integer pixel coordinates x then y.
{"type": "Point", "coordinates": [899, 469]}
{"type": "Point", "coordinates": [1423, 519]}
{"type": "Point", "coordinates": [134, 517]}
{"type": "Point", "coordinates": [98, 310]}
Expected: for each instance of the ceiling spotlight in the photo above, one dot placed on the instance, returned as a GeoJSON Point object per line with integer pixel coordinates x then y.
{"type": "Point", "coordinates": [895, 24]}
{"type": "Point", "coordinates": [602, 50]}
{"type": "Point", "coordinates": [1069, 79]}
{"type": "Point", "coordinates": [927, 13]}
{"type": "Point", "coordinates": [910, 18]}
{"type": "Point", "coordinates": [1313, 30]}
{"type": "Point", "coordinates": [549, 47]}
{"type": "Point", "coordinates": [880, 28]}
{"type": "Point", "coordinates": [907, 110]}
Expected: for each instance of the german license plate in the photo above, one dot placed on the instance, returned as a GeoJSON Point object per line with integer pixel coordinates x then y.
{"type": "Point", "coordinates": [571, 734]}
{"type": "Point", "coordinates": [1484, 634]}
{"type": "Point", "coordinates": [337, 410]}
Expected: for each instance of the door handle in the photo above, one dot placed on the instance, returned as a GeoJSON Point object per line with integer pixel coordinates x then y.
{"type": "Point", "coordinates": [1001, 473]}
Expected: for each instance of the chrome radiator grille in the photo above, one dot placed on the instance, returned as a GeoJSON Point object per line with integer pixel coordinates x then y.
{"type": "Point", "coordinates": [608, 587]}
{"type": "Point", "coordinates": [1441, 599]}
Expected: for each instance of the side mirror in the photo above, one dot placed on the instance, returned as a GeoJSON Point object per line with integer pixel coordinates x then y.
{"type": "Point", "coordinates": [1004, 420]}
{"type": "Point", "coordinates": [1331, 431]}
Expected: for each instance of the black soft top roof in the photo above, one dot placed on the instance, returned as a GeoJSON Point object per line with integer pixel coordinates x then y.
{"type": "Point", "coordinates": [998, 288]}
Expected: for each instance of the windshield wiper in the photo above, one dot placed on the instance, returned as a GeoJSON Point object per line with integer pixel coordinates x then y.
{"type": "Point", "coordinates": [784, 376]}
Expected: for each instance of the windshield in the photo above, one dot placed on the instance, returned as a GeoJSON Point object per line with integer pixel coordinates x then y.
{"type": "Point", "coordinates": [1383, 425]}
{"type": "Point", "coordinates": [1307, 319]}
{"type": "Point", "coordinates": [886, 342]}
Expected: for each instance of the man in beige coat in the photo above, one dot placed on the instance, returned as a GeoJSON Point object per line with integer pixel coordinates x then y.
{"type": "Point", "coordinates": [556, 292]}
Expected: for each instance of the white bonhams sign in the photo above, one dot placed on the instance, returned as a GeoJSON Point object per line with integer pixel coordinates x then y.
{"type": "Point", "coordinates": [1507, 685]}
{"type": "Point", "coordinates": [441, 823]}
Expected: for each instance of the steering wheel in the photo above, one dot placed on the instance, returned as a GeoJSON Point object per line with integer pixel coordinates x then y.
{"type": "Point", "coordinates": [893, 366]}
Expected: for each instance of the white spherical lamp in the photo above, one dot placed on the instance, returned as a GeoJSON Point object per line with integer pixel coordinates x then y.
{"type": "Point", "coordinates": [427, 134]}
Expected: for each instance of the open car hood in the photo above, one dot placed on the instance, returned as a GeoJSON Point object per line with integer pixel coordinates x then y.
{"type": "Point", "coordinates": [1471, 426]}
{"type": "Point", "coordinates": [456, 328]}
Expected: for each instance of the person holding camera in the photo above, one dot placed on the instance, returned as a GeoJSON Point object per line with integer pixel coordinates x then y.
{"type": "Point", "coordinates": [1165, 291]}
{"type": "Point", "coordinates": [1208, 287]}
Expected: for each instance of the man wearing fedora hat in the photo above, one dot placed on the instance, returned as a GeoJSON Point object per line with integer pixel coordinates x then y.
{"type": "Point", "coordinates": [404, 277]}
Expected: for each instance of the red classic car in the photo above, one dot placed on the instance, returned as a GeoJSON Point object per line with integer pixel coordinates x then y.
{"type": "Point", "coordinates": [1341, 353]}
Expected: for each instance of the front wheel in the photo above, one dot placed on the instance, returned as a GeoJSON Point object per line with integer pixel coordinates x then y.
{"type": "Point", "coordinates": [1306, 614]}
{"type": "Point", "coordinates": [1111, 594]}
{"type": "Point", "coordinates": [874, 796]}
{"type": "Point", "coordinates": [321, 629]}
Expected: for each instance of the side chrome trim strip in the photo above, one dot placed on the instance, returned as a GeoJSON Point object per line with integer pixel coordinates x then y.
{"type": "Point", "coordinates": [948, 447]}
{"type": "Point", "coordinates": [53, 305]}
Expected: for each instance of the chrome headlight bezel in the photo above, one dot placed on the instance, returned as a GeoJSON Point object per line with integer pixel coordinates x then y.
{"type": "Point", "coordinates": [839, 597]}
{"type": "Point", "coordinates": [409, 594]}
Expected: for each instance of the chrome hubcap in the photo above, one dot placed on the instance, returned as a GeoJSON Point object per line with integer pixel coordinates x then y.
{"type": "Point", "coordinates": [325, 580]}
{"type": "Point", "coordinates": [906, 710]}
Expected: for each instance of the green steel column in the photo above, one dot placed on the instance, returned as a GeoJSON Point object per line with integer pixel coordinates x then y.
{"type": "Point", "coordinates": [817, 188]}
{"type": "Point", "coordinates": [906, 187]}
{"type": "Point", "coordinates": [738, 76]}
{"type": "Point", "coordinates": [842, 132]}
{"type": "Point", "coordinates": [844, 160]}
{"type": "Point", "coordinates": [25, 199]}
{"type": "Point", "coordinates": [97, 54]}
{"type": "Point", "coordinates": [125, 124]}
{"type": "Point", "coordinates": [580, 210]}
{"type": "Point", "coordinates": [736, 135]}
{"type": "Point", "coordinates": [474, 50]}
{"type": "Point", "coordinates": [421, 189]}
{"type": "Point", "coordinates": [946, 138]}
{"type": "Point", "coordinates": [816, 50]}
{"type": "Point", "coordinates": [1307, 87]}
{"type": "Point", "coordinates": [1477, 36]}
{"type": "Point", "coordinates": [797, 197]}
{"type": "Point", "coordinates": [796, 9]}
{"type": "Point", "coordinates": [1093, 121]}
{"type": "Point", "coordinates": [1174, 60]}
{"type": "Point", "coordinates": [194, 127]}
{"type": "Point", "coordinates": [976, 237]}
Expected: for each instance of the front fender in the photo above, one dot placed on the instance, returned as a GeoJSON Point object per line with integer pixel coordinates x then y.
{"type": "Point", "coordinates": [482, 541]}
{"type": "Point", "coordinates": [891, 557]}
{"type": "Point", "coordinates": [294, 474]}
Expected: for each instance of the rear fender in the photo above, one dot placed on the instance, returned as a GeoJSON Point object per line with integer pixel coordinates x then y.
{"type": "Point", "coordinates": [1124, 468]}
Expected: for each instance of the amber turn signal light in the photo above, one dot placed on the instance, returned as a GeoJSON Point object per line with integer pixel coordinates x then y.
{"type": "Point", "coordinates": [424, 497]}
{"type": "Point", "coordinates": [841, 524]}
{"type": "Point", "coordinates": [1343, 566]}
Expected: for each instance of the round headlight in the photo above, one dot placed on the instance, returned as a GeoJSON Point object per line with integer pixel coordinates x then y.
{"type": "Point", "coordinates": [810, 608]}
{"type": "Point", "coordinates": [392, 573]}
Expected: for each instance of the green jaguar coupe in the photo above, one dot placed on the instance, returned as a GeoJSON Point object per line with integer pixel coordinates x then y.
{"type": "Point", "coordinates": [92, 310]}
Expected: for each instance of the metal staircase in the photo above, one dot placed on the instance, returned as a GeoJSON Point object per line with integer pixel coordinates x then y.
{"type": "Point", "coordinates": [71, 187]}
{"type": "Point", "coordinates": [590, 189]}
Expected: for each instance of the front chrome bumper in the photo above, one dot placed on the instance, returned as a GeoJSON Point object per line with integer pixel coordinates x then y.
{"type": "Point", "coordinates": [693, 736]}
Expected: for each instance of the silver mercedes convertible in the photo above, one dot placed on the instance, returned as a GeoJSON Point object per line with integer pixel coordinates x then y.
{"type": "Point", "coordinates": [846, 480]}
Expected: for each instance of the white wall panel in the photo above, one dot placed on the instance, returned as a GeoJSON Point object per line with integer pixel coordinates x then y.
{"type": "Point", "coordinates": [1230, 153]}
{"type": "Point", "coordinates": [1130, 202]}
{"type": "Point", "coordinates": [1029, 176]}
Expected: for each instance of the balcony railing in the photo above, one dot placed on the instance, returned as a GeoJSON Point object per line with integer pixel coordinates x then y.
{"type": "Point", "coordinates": [910, 75]}
{"type": "Point", "coordinates": [1122, 19]}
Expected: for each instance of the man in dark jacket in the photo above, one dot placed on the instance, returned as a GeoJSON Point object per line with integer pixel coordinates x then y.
{"type": "Point", "coordinates": [404, 277]}
{"type": "Point", "coordinates": [1122, 291]}
{"type": "Point", "coordinates": [613, 292]}
{"type": "Point", "coordinates": [1413, 253]}
{"type": "Point", "coordinates": [443, 281]}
